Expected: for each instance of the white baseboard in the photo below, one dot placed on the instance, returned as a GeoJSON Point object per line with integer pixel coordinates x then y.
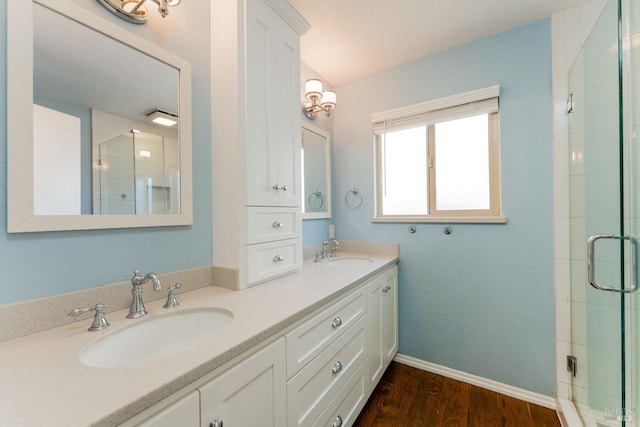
{"type": "Point", "coordinates": [518, 393]}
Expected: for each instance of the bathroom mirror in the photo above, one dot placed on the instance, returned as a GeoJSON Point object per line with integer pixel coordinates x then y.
{"type": "Point", "coordinates": [316, 173]}
{"type": "Point", "coordinates": [65, 66]}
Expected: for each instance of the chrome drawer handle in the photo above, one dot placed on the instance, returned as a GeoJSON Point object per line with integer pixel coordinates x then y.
{"type": "Point", "coordinates": [280, 187]}
{"type": "Point", "coordinates": [336, 322]}
{"type": "Point", "coordinates": [337, 367]}
{"type": "Point", "coordinates": [216, 423]}
{"type": "Point", "coordinates": [276, 224]}
{"type": "Point", "coordinates": [278, 258]}
{"type": "Point", "coordinates": [337, 422]}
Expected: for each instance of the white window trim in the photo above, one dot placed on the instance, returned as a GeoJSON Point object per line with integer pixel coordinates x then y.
{"type": "Point", "coordinates": [437, 104]}
{"type": "Point", "coordinates": [424, 108]}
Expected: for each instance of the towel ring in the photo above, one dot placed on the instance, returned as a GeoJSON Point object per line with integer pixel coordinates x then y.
{"type": "Point", "coordinates": [353, 198]}
{"type": "Point", "coordinates": [316, 200]}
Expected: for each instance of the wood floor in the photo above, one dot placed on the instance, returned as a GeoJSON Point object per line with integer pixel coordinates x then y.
{"type": "Point", "coordinates": [410, 397]}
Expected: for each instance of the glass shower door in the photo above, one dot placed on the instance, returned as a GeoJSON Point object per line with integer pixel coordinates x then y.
{"type": "Point", "coordinates": [604, 224]}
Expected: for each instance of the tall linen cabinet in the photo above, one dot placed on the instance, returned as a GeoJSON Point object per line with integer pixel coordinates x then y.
{"type": "Point", "coordinates": [255, 68]}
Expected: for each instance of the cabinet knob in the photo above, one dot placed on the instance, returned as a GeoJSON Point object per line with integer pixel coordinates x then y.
{"type": "Point", "coordinates": [280, 187]}
{"type": "Point", "coordinates": [336, 322]}
{"type": "Point", "coordinates": [278, 258]}
{"type": "Point", "coordinates": [276, 224]}
{"type": "Point", "coordinates": [337, 367]}
{"type": "Point", "coordinates": [337, 422]}
{"type": "Point", "coordinates": [216, 423]}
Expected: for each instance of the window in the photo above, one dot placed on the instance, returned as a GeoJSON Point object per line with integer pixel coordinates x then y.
{"type": "Point", "coordinates": [439, 161]}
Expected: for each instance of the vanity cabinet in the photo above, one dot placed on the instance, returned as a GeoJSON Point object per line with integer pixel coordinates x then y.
{"type": "Point", "coordinates": [383, 323]}
{"type": "Point", "coordinates": [318, 372]}
{"type": "Point", "coordinates": [252, 393]}
{"type": "Point", "coordinates": [256, 138]}
{"type": "Point", "coordinates": [323, 355]}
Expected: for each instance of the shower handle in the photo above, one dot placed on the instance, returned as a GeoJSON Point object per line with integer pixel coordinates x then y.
{"type": "Point", "coordinates": [591, 253]}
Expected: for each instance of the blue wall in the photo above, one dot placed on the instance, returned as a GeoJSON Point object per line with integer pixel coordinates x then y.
{"type": "Point", "coordinates": [40, 264]}
{"type": "Point", "coordinates": [481, 299]}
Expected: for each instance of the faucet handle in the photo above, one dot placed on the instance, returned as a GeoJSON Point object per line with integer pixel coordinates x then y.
{"type": "Point", "coordinates": [171, 298]}
{"type": "Point", "coordinates": [99, 320]}
{"type": "Point", "coordinates": [316, 256]}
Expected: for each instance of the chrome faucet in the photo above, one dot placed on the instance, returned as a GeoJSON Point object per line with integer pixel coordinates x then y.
{"type": "Point", "coordinates": [335, 246]}
{"type": "Point", "coordinates": [325, 244]}
{"type": "Point", "coordinates": [137, 305]}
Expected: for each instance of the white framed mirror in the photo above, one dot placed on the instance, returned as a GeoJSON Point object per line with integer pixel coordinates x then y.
{"type": "Point", "coordinates": [73, 81]}
{"type": "Point", "coordinates": [316, 172]}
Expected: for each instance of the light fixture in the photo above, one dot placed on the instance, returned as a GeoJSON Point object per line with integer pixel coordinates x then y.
{"type": "Point", "coordinates": [318, 100]}
{"type": "Point", "coordinates": [134, 10]}
{"type": "Point", "coordinates": [162, 117]}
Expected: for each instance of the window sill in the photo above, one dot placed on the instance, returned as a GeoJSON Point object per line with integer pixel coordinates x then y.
{"type": "Point", "coordinates": [444, 219]}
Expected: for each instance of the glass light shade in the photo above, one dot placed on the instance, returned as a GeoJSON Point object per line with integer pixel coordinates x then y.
{"type": "Point", "coordinates": [328, 99]}
{"type": "Point", "coordinates": [313, 89]}
{"type": "Point", "coordinates": [174, 2]}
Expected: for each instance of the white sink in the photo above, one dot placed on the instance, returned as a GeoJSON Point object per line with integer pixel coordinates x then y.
{"type": "Point", "coordinates": [348, 261]}
{"type": "Point", "coordinates": [156, 337]}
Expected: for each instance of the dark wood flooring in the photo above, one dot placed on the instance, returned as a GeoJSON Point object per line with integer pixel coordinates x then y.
{"type": "Point", "coordinates": [410, 397]}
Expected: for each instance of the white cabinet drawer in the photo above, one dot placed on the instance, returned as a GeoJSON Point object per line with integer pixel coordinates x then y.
{"type": "Point", "coordinates": [270, 224]}
{"type": "Point", "coordinates": [309, 339]}
{"type": "Point", "coordinates": [346, 406]}
{"type": "Point", "coordinates": [268, 260]}
{"type": "Point", "coordinates": [314, 387]}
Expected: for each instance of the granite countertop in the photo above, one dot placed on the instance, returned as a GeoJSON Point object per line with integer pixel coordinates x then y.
{"type": "Point", "coordinates": [43, 381]}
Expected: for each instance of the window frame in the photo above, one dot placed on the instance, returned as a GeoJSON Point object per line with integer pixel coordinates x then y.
{"type": "Point", "coordinates": [413, 113]}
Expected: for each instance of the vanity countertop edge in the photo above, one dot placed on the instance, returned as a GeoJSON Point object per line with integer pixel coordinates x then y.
{"type": "Point", "coordinates": [42, 376]}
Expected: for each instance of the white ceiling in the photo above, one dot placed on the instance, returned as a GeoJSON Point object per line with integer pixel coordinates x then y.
{"type": "Point", "coordinates": [350, 39]}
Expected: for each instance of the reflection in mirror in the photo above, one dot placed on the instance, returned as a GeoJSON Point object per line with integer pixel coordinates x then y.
{"type": "Point", "coordinates": [136, 167]}
{"type": "Point", "coordinates": [88, 82]}
{"type": "Point", "coordinates": [316, 173]}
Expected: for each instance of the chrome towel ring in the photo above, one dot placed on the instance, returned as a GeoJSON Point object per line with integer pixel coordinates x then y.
{"type": "Point", "coordinates": [353, 198]}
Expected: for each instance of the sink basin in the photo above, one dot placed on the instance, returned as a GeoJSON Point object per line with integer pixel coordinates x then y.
{"type": "Point", "coordinates": [156, 337]}
{"type": "Point", "coordinates": [348, 261]}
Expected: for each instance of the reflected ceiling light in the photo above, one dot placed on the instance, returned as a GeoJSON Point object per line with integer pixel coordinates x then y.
{"type": "Point", "coordinates": [134, 10]}
{"type": "Point", "coordinates": [163, 117]}
{"type": "Point", "coordinates": [318, 100]}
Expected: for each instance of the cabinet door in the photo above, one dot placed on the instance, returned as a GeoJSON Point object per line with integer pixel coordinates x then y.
{"type": "Point", "coordinates": [286, 74]}
{"type": "Point", "coordinates": [185, 412]}
{"type": "Point", "coordinates": [272, 147]}
{"type": "Point", "coordinates": [383, 323]}
{"type": "Point", "coordinates": [389, 324]}
{"type": "Point", "coordinates": [252, 393]}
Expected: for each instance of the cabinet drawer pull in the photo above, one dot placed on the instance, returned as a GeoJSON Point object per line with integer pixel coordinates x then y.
{"type": "Point", "coordinates": [280, 187]}
{"type": "Point", "coordinates": [276, 224]}
{"type": "Point", "coordinates": [278, 258]}
{"type": "Point", "coordinates": [216, 423]}
{"type": "Point", "coordinates": [337, 367]}
{"type": "Point", "coordinates": [336, 322]}
{"type": "Point", "coordinates": [337, 422]}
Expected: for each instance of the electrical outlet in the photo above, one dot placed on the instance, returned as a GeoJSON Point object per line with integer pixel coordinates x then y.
{"type": "Point", "coordinates": [332, 231]}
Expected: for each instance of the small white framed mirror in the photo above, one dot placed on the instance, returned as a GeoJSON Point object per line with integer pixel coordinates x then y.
{"type": "Point", "coordinates": [66, 65]}
{"type": "Point", "coordinates": [316, 172]}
